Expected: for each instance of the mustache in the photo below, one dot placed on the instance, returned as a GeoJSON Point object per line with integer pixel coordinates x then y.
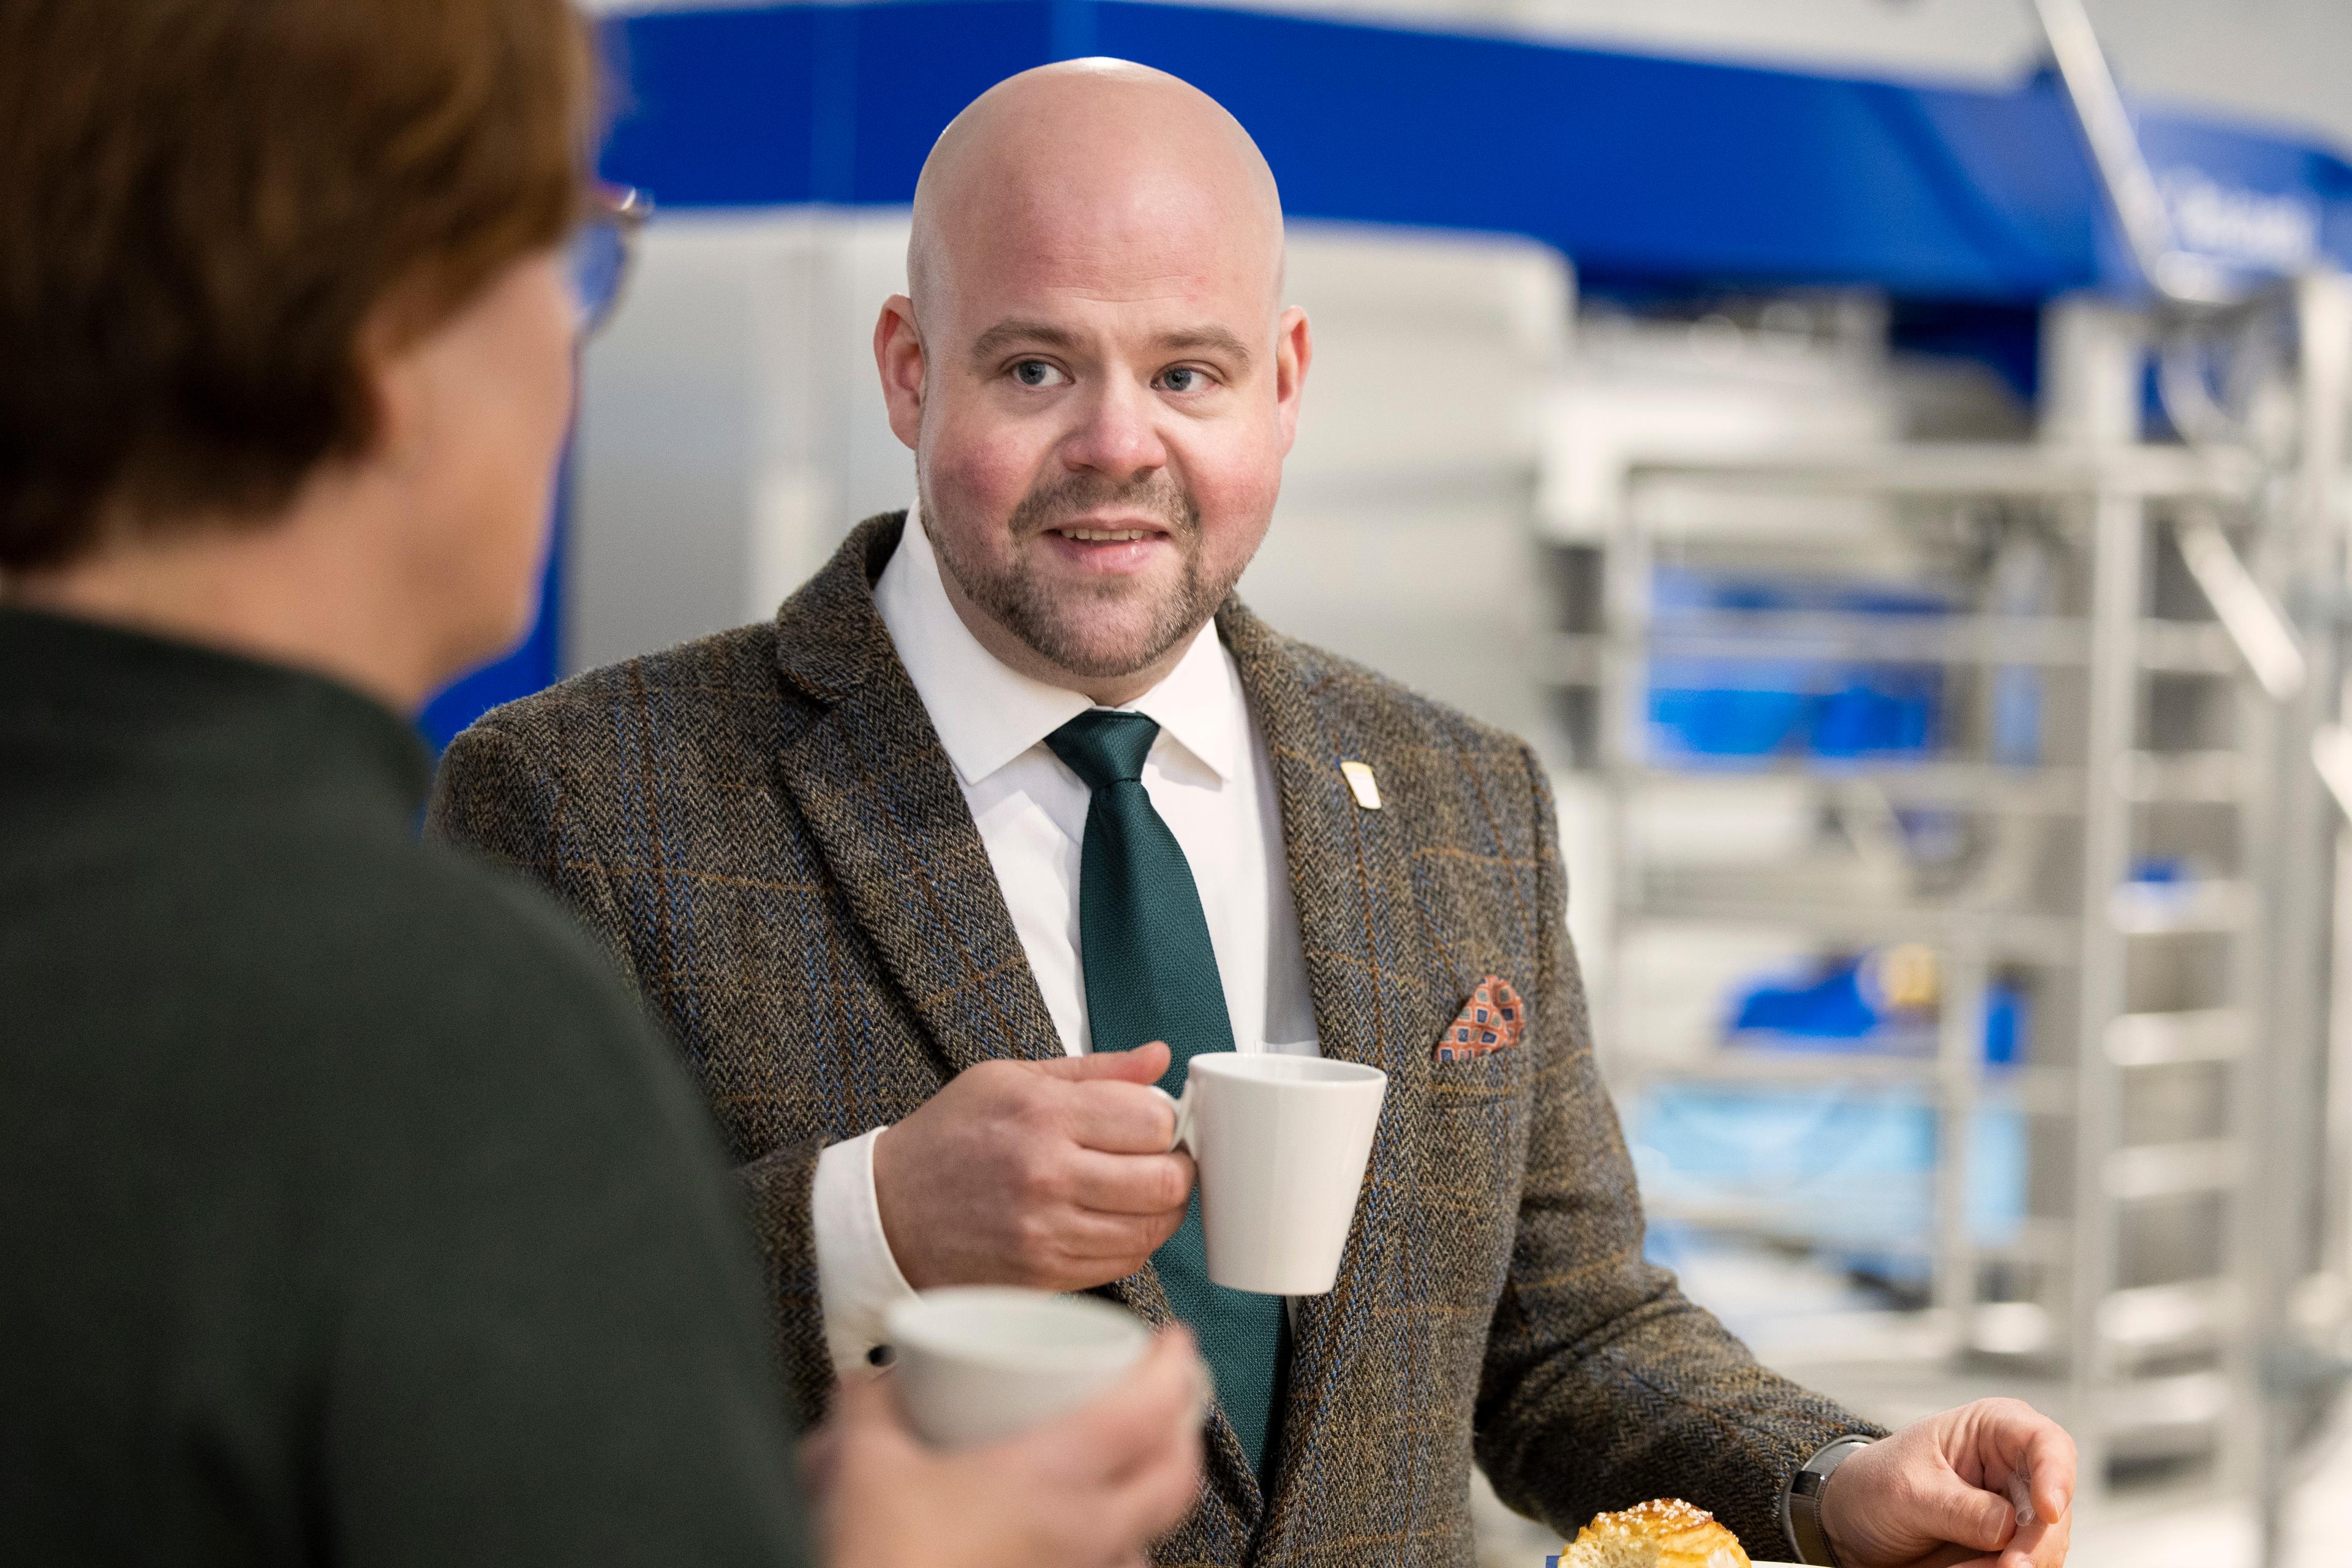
{"type": "Point", "coordinates": [1064, 500]}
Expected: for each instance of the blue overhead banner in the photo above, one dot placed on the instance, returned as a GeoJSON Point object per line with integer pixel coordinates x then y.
{"type": "Point", "coordinates": [1673, 172]}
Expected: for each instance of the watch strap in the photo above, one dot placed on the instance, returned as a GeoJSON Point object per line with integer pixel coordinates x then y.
{"type": "Point", "coordinates": [1800, 1501]}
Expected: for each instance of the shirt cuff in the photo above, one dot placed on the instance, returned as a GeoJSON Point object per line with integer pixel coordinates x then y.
{"type": "Point", "coordinates": [857, 1279]}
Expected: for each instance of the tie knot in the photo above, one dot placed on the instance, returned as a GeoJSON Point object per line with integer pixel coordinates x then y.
{"type": "Point", "coordinates": [1105, 746]}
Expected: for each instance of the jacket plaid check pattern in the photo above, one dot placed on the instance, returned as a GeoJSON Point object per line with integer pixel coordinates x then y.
{"type": "Point", "coordinates": [762, 828]}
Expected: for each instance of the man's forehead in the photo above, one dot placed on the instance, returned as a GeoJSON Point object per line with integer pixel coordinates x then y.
{"type": "Point", "coordinates": [1141, 227]}
{"type": "Point", "coordinates": [1082, 281]}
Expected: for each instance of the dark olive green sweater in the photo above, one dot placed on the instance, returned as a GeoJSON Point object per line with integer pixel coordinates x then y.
{"type": "Point", "coordinates": [348, 1212]}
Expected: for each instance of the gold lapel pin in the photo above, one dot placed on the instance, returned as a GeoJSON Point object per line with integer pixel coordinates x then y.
{"type": "Point", "coordinates": [1362, 785]}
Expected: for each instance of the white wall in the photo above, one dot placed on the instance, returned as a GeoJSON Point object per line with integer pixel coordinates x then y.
{"type": "Point", "coordinates": [730, 425]}
{"type": "Point", "coordinates": [1404, 537]}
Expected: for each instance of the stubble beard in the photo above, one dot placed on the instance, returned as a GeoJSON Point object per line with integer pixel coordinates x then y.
{"type": "Point", "coordinates": [1056, 623]}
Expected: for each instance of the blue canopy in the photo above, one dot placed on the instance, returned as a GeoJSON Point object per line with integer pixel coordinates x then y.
{"type": "Point", "coordinates": [1637, 168]}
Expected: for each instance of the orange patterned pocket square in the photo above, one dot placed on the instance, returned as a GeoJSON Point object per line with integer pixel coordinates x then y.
{"type": "Point", "coordinates": [1492, 1020]}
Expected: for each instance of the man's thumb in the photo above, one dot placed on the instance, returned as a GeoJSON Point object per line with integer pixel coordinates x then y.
{"type": "Point", "coordinates": [1965, 1515]}
{"type": "Point", "coordinates": [1145, 1064]}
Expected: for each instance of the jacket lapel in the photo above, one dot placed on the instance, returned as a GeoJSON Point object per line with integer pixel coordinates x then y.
{"type": "Point", "coordinates": [881, 798]}
{"type": "Point", "coordinates": [874, 783]}
{"type": "Point", "coordinates": [1363, 975]}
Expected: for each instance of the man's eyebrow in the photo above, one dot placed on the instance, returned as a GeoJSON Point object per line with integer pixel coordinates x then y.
{"type": "Point", "coordinates": [1015, 333]}
{"type": "Point", "coordinates": [1213, 340]}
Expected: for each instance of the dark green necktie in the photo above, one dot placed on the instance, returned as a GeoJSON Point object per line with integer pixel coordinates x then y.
{"type": "Point", "coordinates": [1152, 976]}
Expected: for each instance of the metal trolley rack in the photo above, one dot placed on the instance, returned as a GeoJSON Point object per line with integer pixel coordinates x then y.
{"type": "Point", "coordinates": [2174, 1061]}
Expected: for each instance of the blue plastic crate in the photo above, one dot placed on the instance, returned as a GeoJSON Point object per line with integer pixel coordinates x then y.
{"type": "Point", "coordinates": [1719, 711]}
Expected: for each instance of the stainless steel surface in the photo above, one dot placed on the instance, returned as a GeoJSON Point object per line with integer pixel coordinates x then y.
{"type": "Point", "coordinates": [2109, 348]}
{"type": "Point", "coordinates": [2257, 625]}
{"type": "Point", "coordinates": [2303, 1253]}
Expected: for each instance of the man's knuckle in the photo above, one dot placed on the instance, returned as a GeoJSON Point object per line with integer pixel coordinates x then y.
{"type": "Point", "coordinates": [1033, 1244]}
{"type": "Point", "coordinates": [1038, 1179]}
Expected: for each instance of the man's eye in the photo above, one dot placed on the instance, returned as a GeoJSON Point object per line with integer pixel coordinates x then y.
{"type": "Point", "coordinates": [1183, 378]}
{"type": "Point", "coordinates": [1035, 373]}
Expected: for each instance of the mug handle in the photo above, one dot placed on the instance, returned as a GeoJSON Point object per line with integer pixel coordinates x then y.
{"type": "Point", "coordinates": [1183, 1113]}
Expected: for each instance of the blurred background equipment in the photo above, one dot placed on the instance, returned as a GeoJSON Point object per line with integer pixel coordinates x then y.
{"type": "Point", "coordinates": [1904, 501]}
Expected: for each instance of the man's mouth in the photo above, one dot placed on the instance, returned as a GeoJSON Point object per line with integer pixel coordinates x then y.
{"type": "Point", "coordinates": [1107, 535]}
{"type": "Point", "coordinates": [1118, 546]}
{"type": "Point", "coordinates": [1101, 528]}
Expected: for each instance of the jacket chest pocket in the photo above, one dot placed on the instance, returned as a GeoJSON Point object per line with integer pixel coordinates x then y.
{"type": "Point", "coordinates": [1470, 1157]}
{"type": "Point", "coordinates": [1479, 1112]}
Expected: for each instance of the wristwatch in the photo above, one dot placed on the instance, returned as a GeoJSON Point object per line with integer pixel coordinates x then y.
{"type": "Point", "coordinates": [1800, 1502]}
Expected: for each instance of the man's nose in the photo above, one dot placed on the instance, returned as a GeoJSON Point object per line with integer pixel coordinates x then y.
{"type": "Point", "coordinates": [1120, 437]}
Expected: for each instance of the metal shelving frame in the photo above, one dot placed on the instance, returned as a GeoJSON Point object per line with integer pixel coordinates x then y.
{"type": "Point", "coordinates": [2300, 1290]}
{"type": "Point", "coordinates": [2164, 1368]}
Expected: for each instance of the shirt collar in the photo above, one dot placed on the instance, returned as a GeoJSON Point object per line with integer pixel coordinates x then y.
{"type": "Point", "coordinates": [987, 713]}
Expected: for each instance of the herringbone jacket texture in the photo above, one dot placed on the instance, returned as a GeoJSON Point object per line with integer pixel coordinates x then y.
{"type": "Point", "coordinates": [764, 828]}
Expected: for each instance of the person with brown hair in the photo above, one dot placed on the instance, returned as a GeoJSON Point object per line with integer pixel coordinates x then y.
{"type": "Point", "coordinates": [349, 1211]}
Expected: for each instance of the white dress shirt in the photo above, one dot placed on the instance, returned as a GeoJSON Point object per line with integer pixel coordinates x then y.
{"type": "Point", "coordinates": [1209, 779]}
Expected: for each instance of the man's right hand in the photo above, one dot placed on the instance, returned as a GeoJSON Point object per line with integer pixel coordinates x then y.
{"type": "Point", "coordinates": [1049, 1174]}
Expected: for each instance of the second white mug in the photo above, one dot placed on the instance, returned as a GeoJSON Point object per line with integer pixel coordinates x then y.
{"type": "Point", "coordinates": [1281, 1143]}
{"type": "Point", "coordinates": [975, 1364]}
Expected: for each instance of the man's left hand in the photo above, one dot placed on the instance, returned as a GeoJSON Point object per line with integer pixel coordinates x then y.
{"type": "Point", "coordinates": [1990, 1485]}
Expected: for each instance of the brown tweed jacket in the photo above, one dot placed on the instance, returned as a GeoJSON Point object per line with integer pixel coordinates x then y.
{"type": "Point", "coordinates": [764, 829]}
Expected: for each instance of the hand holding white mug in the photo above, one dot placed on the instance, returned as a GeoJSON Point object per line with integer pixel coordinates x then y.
{"type": "Point", "coordinates": [1055, 1176]}
{"type": "Point", "coordinates": [1088, 1489]}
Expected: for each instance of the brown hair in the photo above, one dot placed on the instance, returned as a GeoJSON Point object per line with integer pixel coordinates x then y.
{"type": "Point", "coordinates": [207, 205]}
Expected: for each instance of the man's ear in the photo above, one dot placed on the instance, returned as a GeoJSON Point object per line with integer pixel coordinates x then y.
{"type": "Point", "coordinates": [1294, 351]}
{"type": "Point", "coordinates": [898, 356]}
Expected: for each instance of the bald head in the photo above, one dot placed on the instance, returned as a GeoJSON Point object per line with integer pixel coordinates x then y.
{"type": "Point", "coordinates": [1094, 367]}
{"type": "Point", "coordinates": [1085, 160]}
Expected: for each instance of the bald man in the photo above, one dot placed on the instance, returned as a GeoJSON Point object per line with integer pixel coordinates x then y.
{"type": "Point", "coordinates": [1014, 807]}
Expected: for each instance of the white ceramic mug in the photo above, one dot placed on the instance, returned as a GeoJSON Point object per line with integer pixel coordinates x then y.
{"type": "Point", "coordinates": [1281, 1143]}
{"type": "Point", "coordinates": [979, 1362]}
